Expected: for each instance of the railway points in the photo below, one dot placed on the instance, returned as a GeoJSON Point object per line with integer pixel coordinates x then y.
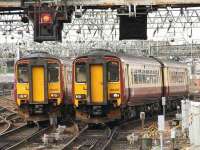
{"type": "Point", "coordinates": [9, 117]}
{"type": "Point", "coordinates": [99, 138]}
{"type": "Point", "coordinates": [14, 137]}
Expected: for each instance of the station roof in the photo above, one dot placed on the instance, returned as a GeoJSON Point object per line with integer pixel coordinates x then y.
{"type": "Point", "coordinates": [133, 2]}
{"type": "Point", "coordinates": [104, 3]}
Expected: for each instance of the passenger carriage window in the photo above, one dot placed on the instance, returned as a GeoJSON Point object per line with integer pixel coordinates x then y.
{"type": "Point", "coordinates": [182, 77]}
{"type": "Point", "coordinates": [132, 76]}
{"type": "Point", "coordinates": [148, 77]}
{"type": "Point", "coordinates": [172, 77]}
{"type": "Point", "coordinates": [151, 78]}
{"type": "Point", "coordinates": [139, 77]}
{"type": "Point", "coordinates": [81, 74]}
{"type": "Point", "coordinates": [156, 77]}
{"type": "Point", "coordinates": [113, 72]}
{"type": "Point", "coordinates": [136, 77]}
{"type": "Point", "coordinates": [22, 73]}
{"type": "Point", "coordinates": [53, 72]}
{"type": "Point", "coordinates": [143, 76]}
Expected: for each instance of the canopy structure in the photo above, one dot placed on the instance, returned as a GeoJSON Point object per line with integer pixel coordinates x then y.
{"type": "Point", "coordinates": [103, 3]}
{"type": "Point", "coordinates": [132, 2]}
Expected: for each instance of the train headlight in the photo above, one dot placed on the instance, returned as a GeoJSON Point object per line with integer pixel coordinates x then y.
{"type": "Point", "coordinates": [80, 96]}
{"type": "Point", "coordinates": [54, 95]}
{"type": "Point", "coordinates": [22, 96]}
{"type": "Point", "coordinates": [115, 95]}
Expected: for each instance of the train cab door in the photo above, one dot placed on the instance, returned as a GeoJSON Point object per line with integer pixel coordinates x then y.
{"type": "Point", "coordinates": [38, 84]}
{"type": "Point", "coordinates": [96, 79]}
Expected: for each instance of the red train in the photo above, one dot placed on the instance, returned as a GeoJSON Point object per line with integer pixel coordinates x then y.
{"type": "Point", "coordinates": [107, 86]}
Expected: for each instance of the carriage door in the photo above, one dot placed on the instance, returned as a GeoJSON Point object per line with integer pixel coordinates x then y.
{"type": "Point", "coordinates": [96, 74]}
{"type": "Point", "coordinates": [38, 84]}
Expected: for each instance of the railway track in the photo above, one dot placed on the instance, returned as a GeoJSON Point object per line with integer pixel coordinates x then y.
{"type": "Point", "coordinates": [27, 143]}
{"type": "Point", "coordinates": [8, 97]}
{"type": "Point", "coordinates": [5, 125]}
{"type": "Point", "coordinates": [121, 142]}
{"type": "Point", "coordinates": [7, 119]}
{"type": "Point", "coordinates": [8, 103]}
{"type": "Point", "coordinates": [14, 138]}
{"type": "Point", "coordinates": [92, 139]}
{"type": "Point", "coordinates": [37, 140]}
{"type": "Point", "coordinates": [104, 138]}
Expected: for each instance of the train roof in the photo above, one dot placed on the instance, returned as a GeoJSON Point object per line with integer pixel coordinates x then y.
{"type": "Point", "coordinates": [133, 59]}
{"type": "Point", "coordinates": [46, 55]}
{"type": "Point", "coordinates": [153, 60]}
{"type": "Point", "coordinates": [124, 57]}
{"type": "Point", "coordinates": [168, 63]}
{"type": "Point", "coordinates": [139, 59]}
{"type": "Point", "coordinates": [98, 52]}
{"type": "Point", "coordinates": [39, 54]}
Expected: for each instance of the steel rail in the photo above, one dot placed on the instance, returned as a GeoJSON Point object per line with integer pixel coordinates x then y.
{"type": "Point", "coordinates": [5, 118]}
{"type": "Point", "coordinates": [74, 138]}
{"type": "Point", "coordinates": [8, 125]}
{"type": "Point", "coordinates": [13, 130]}
{"type": "Point", "coordinates": [93, 140]}
{"type": "Point", "coordinates": [109, 141]}
{"type": "Point", "coordinates": [14, 137]}
{"type": "Point", "coordinates": [30, 138]}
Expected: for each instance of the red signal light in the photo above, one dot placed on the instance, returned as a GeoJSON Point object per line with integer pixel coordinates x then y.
{"type": "Point", "coordinates": [45, 18]}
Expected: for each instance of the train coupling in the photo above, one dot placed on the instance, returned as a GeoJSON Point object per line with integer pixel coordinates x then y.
{"type": "Point", "coordinates": [38, 109]}
{"type": "Point", "coordinates": [97, 110]}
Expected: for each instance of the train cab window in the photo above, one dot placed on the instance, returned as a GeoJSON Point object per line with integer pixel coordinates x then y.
{"type": "Point", "coordinates": [53, 72]}
{"type": "Point", "coordinates": [81, 75]}
{"type": "Point", "coordinates": [22, 73]}
{"type": "Point", "coordinates": [113, 72]}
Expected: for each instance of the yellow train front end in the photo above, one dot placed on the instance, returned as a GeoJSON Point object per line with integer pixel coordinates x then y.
{"type": "Point", "coordinates": [38, 90]}
{"type": "Point", "coordinates": [97, 88]}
